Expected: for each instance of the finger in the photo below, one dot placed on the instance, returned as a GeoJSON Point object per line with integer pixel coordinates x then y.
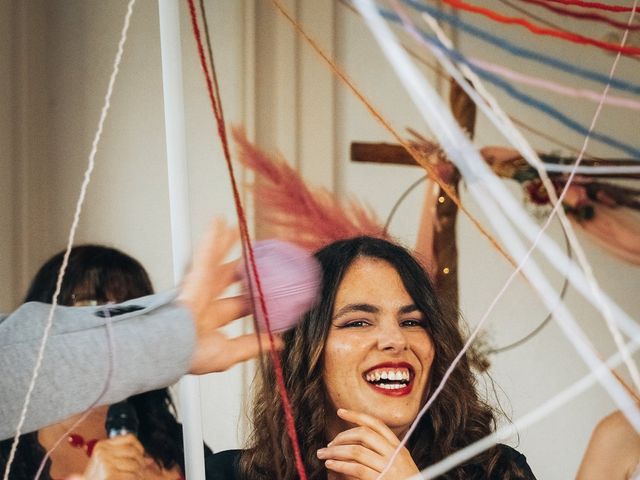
{"type": "Point", "coordinates": [352, 470]}
{"type": "Point", "coordinates": [355, 454]}
{"type": "Point", "coordinates": [124, 453]}
{"type": "Point", "coordinates": [201, 283]}
{"type": "Point", "coordinates": [128, 465]}
{"type": "Point", "coordinates": [200, 288]}
{"type": "Point", "coordinates": [109, 466]}
{"type": "Point", "coordinates": [373, 423]}
{"type": "Point", "coordinates": [251, 345]}
{"type": "Point", "coordinates": [220, 277]}
{"type": "Point", "coordinates": [123, 443]}
{"type": "Point", "coordinates": [216, 353]}
{"type": "Point", "coordinates": [366, 437]}
{"type": "Point", "coordinates": [118, 460]}
{"type": "Point", "coordinates": [223, 311]}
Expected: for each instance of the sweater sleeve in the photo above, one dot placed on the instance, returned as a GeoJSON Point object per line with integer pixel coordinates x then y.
{"type": "Point", "coordinates": [149, 346]}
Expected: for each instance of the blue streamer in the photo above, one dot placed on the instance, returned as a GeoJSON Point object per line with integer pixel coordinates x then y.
{"type": "Point", "coordinates": [524, 52]}
{"type": "Point", "coordinates": [523, 97]}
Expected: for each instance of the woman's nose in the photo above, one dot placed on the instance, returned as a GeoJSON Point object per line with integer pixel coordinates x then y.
{"type": "Point", "coordinates": [391, 337]}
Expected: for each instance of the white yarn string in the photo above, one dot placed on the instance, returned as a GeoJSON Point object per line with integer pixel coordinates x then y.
{"type": "Point", "coordinates": [482, 184]}
{"type": "Point", "coordinates": [74, 225]}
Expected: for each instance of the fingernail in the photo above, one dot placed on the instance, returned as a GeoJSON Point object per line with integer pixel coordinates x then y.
{"type": "Point", "coordinates": [321, 453]}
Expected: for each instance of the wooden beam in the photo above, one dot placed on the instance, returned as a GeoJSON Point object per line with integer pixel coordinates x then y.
{"type": "Point", "coordinates": [393, 154]}
{"type": "Point", "coordinates": [381, 153]}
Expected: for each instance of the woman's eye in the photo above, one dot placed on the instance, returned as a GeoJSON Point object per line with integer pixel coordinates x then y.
{"type": "Point", "coordinates": [412, 322]}
{"type": "Point", "coordinates": [356, 324]}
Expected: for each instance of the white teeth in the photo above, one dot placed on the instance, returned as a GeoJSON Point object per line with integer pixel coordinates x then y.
{"type": "Point", "coordinates": [391, 386]}
{"type": "Point", "coordinates": [395, 375]}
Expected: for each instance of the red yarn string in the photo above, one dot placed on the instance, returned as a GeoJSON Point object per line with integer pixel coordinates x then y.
{"type": "Point", "coordinates": [571, 37]}
{"type": "Point", "coordinates": [584, 15]}
{"type": "Point", "coordinates": [597, 5]}
{"type": "Point", "coordinates": [217, 110]}
{"type": "Point", "coordinates": [530, 15]}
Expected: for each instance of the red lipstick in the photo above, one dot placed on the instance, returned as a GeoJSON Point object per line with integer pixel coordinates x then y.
{"type": "Point", "coordinates": [388, 387]}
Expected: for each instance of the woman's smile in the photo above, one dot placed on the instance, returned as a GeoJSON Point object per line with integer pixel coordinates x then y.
{"type": "Point", "coordinates": [391, 378]}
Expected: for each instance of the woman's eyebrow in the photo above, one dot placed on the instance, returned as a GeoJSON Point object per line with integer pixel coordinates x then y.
{"type": "Point", "coordinates": [356, 307]}
{"type": "Point", "coordinates": [408, 309]}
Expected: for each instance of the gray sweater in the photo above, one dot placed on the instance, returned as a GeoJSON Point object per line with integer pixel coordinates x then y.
{"type": "Point", "coordinates": [152, 349]}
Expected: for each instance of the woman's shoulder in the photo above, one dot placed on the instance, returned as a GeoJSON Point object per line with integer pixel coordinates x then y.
{"type": "Point", "coordinates": [613, 450]}
{"type": "Point", "coordinates": [223, 465]}
{"type": "Point", "coordinates": [614, 427]}
{"type": "Point", "coordinates": [514, 462]}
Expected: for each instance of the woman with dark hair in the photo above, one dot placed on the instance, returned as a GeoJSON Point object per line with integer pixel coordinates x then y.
{"type": "Point", "coordinates": [358, 368]}
{"type": "Point", "coordinates": [98, 275]}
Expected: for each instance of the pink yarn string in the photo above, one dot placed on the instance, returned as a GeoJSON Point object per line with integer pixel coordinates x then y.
{"type": "Point", "coordinates": [560, 89]}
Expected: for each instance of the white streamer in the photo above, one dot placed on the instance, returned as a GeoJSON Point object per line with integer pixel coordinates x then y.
{"type": "Point", "coordinates": [592, 169]}
{"type": "Point", "coordinates": [482, 183]}
{"type": "Point", "coordinates": [74, 226]}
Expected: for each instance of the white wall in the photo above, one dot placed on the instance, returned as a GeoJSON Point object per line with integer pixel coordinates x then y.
{"type": "Point", "coordinates": [6, 165]}
{"type": "Point", "coordinates": [61, 54]}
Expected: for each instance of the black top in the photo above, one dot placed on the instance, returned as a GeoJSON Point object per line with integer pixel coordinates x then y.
{"type": "Point", "coordinates": [224, 465]}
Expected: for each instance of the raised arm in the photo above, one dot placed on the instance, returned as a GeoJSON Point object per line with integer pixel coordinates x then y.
{"type": "Point", "coordinates": [156, 340]}
{"type": "Point", "coordinates": [152, 347]}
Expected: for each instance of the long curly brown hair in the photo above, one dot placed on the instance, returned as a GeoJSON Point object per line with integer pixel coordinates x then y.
{"type": "Point", "coordinates": [457, 418]}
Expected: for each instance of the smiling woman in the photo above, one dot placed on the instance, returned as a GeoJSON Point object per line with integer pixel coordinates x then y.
{"type": "Point", "coordinates": [378, 354]}
{"type": "Point", "coordinates": [358, 368]}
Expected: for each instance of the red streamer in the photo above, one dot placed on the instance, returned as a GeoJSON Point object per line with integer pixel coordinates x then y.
{"type": "Point", "coordinates": [584, 15]}
{"type": "Point", "coordinates": [244, 232]}
{"type": "Point", "coordinates": [597, 5]}
{"type": "Point", "coordinates": [571, 37]}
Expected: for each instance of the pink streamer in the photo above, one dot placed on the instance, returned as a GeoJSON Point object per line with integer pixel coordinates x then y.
{"type": "Point", "coordinates": [556, 87]}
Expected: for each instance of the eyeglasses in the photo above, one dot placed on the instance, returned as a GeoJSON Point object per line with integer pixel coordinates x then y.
{"type": "Point", "coordinates": [83, 302]}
